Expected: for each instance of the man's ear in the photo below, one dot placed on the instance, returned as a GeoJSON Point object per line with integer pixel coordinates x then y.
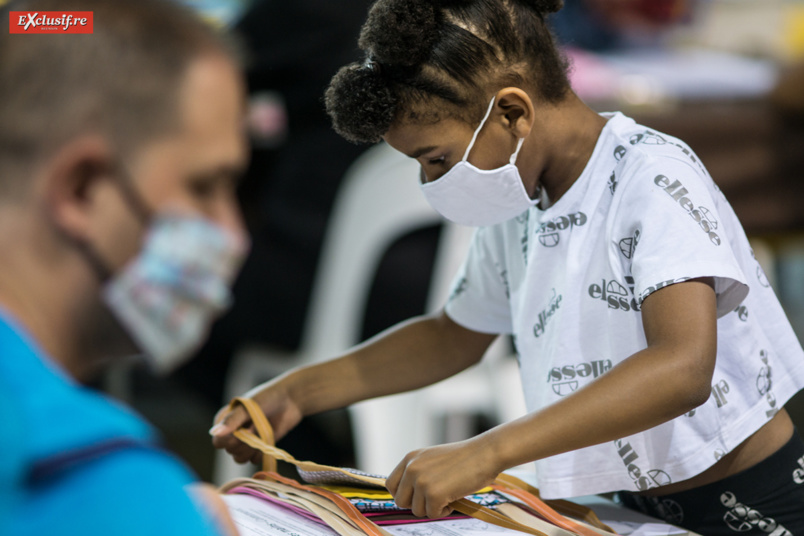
{"type": "Point", "coordinates": [516, 110]}
{"type": "Point", "coordinates": [70, 183]}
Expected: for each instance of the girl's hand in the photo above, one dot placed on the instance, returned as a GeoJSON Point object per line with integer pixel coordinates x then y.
{"type": "Point", "coordinates": [277, 404]}
{"type": "Point", "coordinates": [428, 480]}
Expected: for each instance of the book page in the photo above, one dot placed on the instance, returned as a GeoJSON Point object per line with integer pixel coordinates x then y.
{"type": "Point", "coordinates": [451, 527]}
{"type": "Point", "coordinates": [255, 517]}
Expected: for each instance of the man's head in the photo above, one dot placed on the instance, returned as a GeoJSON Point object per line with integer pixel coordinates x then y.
{"type": "Point", "coordinates": [98, 133]}
{"type": "Point", "coordinates": [121, 81]}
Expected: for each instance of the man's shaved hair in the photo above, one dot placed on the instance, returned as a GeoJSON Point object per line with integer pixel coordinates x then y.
{"type": "Point", "coordinates": [122, 81]}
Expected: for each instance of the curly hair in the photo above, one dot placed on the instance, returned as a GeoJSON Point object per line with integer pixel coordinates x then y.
{"type": "Point", "coordinates": [425, 60]}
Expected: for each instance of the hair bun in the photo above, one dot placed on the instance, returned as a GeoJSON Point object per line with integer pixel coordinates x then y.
{"type": "Point", "coordinates": [360, 103]}
{"type": "Point", "coordinates": [400, 32]}
{"type": "Point", "coordinates": [544, 6]}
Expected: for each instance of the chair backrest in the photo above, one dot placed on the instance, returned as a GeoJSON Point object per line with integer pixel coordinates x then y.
{"type": "Point", "coordinates": [453, 245]}
{"type": "Point", "coordinates": [379, 202]}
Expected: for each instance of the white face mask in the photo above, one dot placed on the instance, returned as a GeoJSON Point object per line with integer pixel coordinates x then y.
{"type": "Point", "coordinates": [169, 294]}
{"type": "Point", "coordinates": [478, 197]}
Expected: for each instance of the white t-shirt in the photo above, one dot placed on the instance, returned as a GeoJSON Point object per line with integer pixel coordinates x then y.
{"type": "Point", "coordinates": [568, 283]}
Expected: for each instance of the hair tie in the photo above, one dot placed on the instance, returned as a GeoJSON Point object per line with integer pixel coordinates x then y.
{"type": "Point", "coordinates": [372, 65]}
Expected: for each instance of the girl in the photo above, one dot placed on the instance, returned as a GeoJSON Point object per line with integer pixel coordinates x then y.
{"type": "Point", "coordinates": [605, 249]}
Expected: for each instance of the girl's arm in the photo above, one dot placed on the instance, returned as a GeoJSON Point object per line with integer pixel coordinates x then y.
{"type": "Point", "coordinates": [667, 379]}
{"type": "Point", "coordinates": [413, 354]}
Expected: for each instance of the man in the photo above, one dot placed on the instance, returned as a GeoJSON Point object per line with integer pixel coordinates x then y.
{"type": "Point", "coordinates": [119, 233]}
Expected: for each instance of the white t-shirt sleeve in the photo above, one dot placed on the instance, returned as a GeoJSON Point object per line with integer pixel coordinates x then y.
{"type": "Point", "coordinates": [479, 296]}
{"type": "Point", "coordinates": [672, 219]}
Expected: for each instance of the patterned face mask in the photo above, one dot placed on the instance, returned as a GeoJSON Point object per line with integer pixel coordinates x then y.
{"type": "Point", "coordinates": [169, 294]}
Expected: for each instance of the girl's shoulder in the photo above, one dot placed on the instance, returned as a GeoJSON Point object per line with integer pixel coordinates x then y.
{"type": "Point", "coordinates": [640, 146]}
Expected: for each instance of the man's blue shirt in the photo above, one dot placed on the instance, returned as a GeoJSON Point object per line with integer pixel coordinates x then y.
{"type": "Point", "coordinates": [74, 462]}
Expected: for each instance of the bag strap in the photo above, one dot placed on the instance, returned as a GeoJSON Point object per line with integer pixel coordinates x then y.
{"type": "Point", "coordinates": [545, 511]}
{"type": "Point", "coordinates": [264, 443]}
{"type": "Point", "coordinates": [567, 508]}
{"type": "Point", "coordinates": [492, 517]}
{"type": "Point", "coordinates": [264, 429]}
{"type": "Point", "coordinates": [343, 504]}
{"type": "Point", "coordinates": [526, 516]}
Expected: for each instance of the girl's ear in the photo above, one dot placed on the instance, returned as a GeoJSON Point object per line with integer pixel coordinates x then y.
{"type": "Point", "coordinates": [516, 111]}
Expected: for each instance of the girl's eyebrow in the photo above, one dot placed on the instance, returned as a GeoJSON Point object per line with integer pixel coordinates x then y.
{"type": "Point", "coordinates": [423, 150]}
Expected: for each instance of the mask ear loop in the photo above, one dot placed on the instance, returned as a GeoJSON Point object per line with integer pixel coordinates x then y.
{"type": "Point", "coordinates": [141, 212]}
{"type": "Point", "coordinates": [96, 264]}
{"type": "Point", "coordinates": [137, 204]}
{"type": "Point", "coordinates": [477, 131]}
{"type": "Point", "coordinates": [539, 201]}
{"type": "Point", "coordinates": [512, 160]}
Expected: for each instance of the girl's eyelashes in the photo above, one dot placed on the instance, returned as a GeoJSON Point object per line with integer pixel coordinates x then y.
{"type": "Point", "coordinates": [437, 161]}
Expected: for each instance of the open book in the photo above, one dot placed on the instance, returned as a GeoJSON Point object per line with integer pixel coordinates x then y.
{"type": "Point", "coordinates": [334, 501]}
{"type": "Point", "coordinates": [255, 517]}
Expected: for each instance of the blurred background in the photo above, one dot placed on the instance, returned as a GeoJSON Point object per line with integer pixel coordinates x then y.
{"type": "Point", "coordinates": [726, 76]}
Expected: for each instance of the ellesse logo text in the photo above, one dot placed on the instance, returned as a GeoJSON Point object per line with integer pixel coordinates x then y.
{"type": "Point", "coordinates": [719, 391]}
{"type": "Point", "coordinates": [459, 289]}
{"type": "Point", "coordinates": [549, 230]}
{"type": "Point", "coordinates": [650, 290]}
{"type": "Point", "coordinates": [629, 244]}
{"type": "Point", "coordinates": [652, 138]}
{"type": "Point", "coordinates": [642, 480]}
{"type": "Point", "coordinates": [702, 216]}
{"type": "Point", "coordinates": [742, 518]}
{"type": "Point", "coordinates": [564, 380]}
{"type": "Point", "coordinates": [615, 295]}
{"type": "Point", "coordinates": [798, 473]}
{"type": "Point", "coordinates": [546, 314]}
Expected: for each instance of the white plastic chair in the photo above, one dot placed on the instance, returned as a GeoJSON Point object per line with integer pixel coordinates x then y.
{"type": "Point", "coordinates": [387, 428]}
{"type": "Point", "coordinates": [379, 202]}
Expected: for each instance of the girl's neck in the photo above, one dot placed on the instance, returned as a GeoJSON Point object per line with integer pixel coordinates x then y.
{"type": "Point", "coordinates": [561, 145]}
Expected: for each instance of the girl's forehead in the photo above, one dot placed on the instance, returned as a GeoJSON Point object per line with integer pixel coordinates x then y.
{"type": "Point", "coordinates": [413, 138]}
